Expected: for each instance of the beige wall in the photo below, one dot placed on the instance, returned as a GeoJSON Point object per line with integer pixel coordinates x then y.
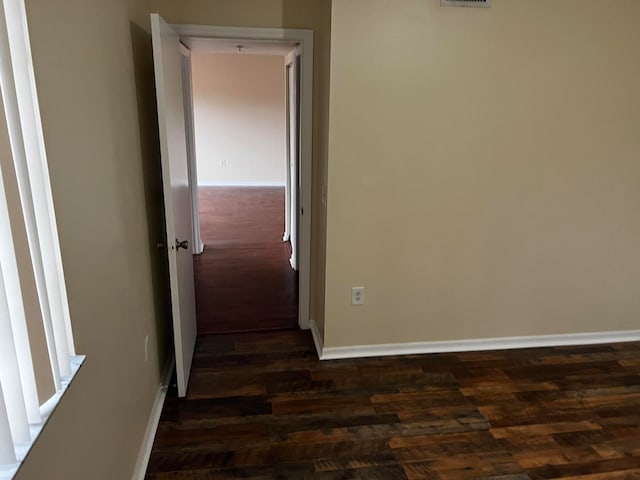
{"type": "Point", "coordinates": [95, 80]}
{"type": "Point", "coordinates": [483, 169]}
{"type": "Point", "coordinates": [93, 73]}
{"type": "Point", "coordinates": [240, 119]}
{"type": "Point", "coordinates": [483, 182]}
{"type": "Point", "coordinates": [306, 14]}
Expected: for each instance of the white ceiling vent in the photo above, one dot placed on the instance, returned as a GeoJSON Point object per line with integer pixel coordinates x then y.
{"type": "Point", "coordinates": [466, 3]}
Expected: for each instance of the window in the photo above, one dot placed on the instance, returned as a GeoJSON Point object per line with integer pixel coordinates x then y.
{"type": "Point", "coordinates": [37, 354]}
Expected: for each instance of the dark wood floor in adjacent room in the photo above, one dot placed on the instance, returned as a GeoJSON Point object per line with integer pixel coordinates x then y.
{"type": "Point", "coordinates": [243, 278]}
{"type": "Point", "coordinates": [261, 406]}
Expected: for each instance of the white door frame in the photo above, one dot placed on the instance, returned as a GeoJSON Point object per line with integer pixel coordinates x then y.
{"type": "Point", "coordinates": [287, 171]}
{"type": "Point", "coordinates": [187, 93]}
{"type": "Point", "coordinates": [305, 40]}
{"type": "Point", "coordinates": [293, 155]}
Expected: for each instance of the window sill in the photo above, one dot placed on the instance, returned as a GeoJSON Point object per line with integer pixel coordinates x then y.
{"type": "Point", "coordinates": [46, 410]}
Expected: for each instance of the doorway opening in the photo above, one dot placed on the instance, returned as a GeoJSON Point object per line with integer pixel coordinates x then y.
{"type": "Point", "coordinates": [171, 56]}
{"type": "Point", "coordinates": [247, 166]}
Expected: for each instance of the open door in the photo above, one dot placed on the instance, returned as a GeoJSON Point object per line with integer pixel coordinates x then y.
{"type": "Point", "coordinates": [187, 96]}
{"type": "Point", "coordinates": [177, 193]}
{"type": "Point", "coordinates": [293, 134]}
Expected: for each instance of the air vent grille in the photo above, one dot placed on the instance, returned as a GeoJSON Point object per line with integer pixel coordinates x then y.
{"type": "Point", "coordinates": [466, 3]}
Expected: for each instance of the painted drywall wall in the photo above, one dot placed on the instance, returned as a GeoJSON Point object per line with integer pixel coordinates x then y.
{"type": "Point", "coordinates": [239, 110]}
{"type": "Point", "coordinates": [320, 174]}
{"type": "Point", "coordinates": [483, 170]}
{"type": "Point", "coordinates": [306, 14]}
{"type": "Point", "coordinates": [94, 77]}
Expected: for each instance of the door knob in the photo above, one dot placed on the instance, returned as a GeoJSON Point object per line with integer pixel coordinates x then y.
{"type": "Point", "coordinates": [182, 244]}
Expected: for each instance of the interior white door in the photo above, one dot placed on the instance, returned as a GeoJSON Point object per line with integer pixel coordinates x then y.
{"type": "Point", "coordinates": [287, 175]}
{"type": "Point", "coordinates": [177, 194]}
{"type": "Point", "coordinates": [294, 156]}
{"type": "Point", "coordinates": [187, 96]}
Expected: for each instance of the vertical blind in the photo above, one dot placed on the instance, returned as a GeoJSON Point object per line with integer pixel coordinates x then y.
{"type": "Point", "coordinates": [36, 343]}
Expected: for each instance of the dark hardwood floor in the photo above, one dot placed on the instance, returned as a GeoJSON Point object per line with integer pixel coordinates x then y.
{"type": "Point", "coordinates": [243, 278]}
{"type": "Point", "coordinates": [261, 406]}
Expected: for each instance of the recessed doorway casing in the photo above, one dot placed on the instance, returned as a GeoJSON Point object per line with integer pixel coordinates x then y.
{"type": "Point", "coordinates": [304, 41]}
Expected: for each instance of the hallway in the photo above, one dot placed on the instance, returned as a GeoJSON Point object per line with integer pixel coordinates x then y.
{"type": "Point", "coordinates": [243, 278]}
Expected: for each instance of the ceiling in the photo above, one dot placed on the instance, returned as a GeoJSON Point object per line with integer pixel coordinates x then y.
{"type": "Point", "coordinates": [249, 47]}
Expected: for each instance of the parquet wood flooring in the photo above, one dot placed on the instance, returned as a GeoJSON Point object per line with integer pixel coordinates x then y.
{"type": "Point", "coordinates": [243, 278]}
{"type": "Point", "coordinates": [261, 406]}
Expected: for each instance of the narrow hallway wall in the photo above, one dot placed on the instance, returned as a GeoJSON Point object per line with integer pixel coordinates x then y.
{"type": "Point", "coordinates": [239, 118]}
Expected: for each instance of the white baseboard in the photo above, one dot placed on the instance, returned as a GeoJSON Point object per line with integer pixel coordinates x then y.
{"type": "Point", "coordinates": [317, 338]}
{"type": "Point", "coordinates": [241, 184]}
{"type": "Point", "coordinates": [476, 344]}
{"type": "Point", "coordinates": [140, 469]}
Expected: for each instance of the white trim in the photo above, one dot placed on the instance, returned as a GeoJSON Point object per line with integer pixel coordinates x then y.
{"type": "Point", "coordinates": [317, 338]}
{"type": "Point", "coordinates": [287, 160]}
{"type": "Point", "coordinates": [477, 344]}
{"type": "Point", "coordinates": [242, 33]}
{"type": "Point", "coordinates": [293, 172]}
{"type": "Point", "coordinates": [142, 462]}
{"type": "Point", "coordinates": [187, 98]}
{"type": "Point", "coordinates": [305, 40]}
{"type": "Point", "coordinates": [291, 56]}
{"type": "Point", "coordinates": [241, 184]}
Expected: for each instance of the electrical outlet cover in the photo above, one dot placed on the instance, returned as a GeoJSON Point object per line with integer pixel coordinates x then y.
{"type": "Point", "coordinates": [357, 295]}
